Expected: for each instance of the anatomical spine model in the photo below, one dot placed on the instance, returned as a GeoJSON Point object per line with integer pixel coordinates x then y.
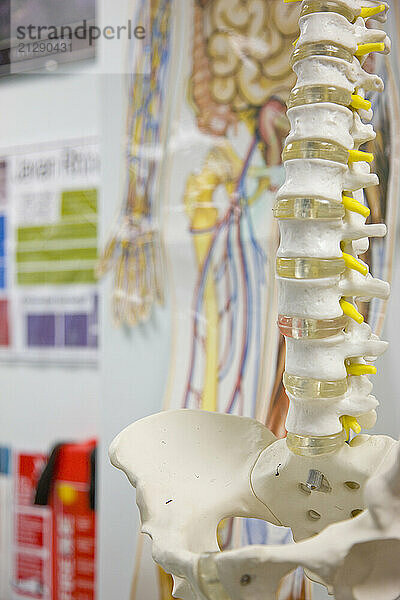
{"type": "Point", "coordinates": [193, 468]}
{"type": "Point", "coordinates": [323, 229]}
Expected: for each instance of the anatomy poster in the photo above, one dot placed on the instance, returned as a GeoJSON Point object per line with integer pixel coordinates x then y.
{"type": "Point", "coordinates": [48, 252]}
{"type": "Point", "coordinates": [220, 234]}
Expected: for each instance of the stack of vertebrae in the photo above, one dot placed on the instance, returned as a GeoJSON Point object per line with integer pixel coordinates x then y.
{"type": "Point", "coordinates": [323, 230]}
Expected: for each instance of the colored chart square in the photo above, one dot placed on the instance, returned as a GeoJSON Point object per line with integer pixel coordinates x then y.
{"type": "Point", "coordinates": [78, 203]}
{"type": "Point", "coordinates": [93, 324]}
{"type": "Point", "coordinates": [76, 330]}
{"type": "Point", "coordinates": [4, 327]}
{"type": "Point", "coordinates": [2, 278]}
{"type": "Point", "coordinates": [41, 330]}
{"type": "Point", "coordinates": [3, 182]}
{"type": "Point", "coordinates": [2, 234]}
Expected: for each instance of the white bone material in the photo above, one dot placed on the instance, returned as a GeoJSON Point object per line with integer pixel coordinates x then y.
{"type": "Point", "coordinates": [357, 5]}
{"type": "Point", "coordinates": [326, 70]}
{"type": "Point", "coordinates": [305, 417]}
{"type": "Point", "coordinates": [338, 123]}
{"type": "Point", "coordinates": [358, 559]}
{"type": "Point", "coordinates": [307, 121]}
{"type": "Point", "coordinates": [319, 27]}
{"type": "Point", "coordinates": [193, 468]}
{"type": "Point", "coordinates": [307, 513]}
{"type": "Point", "coordinates": [325, 358]}
{"type": "Point", "coordinates": [319, 238]}
{"type": "Point", "coordinates": [320, 298]}
{"type": "Point", "coordinates": [190, 469]}
{"type": "Point", "coordinates": [328, 179]}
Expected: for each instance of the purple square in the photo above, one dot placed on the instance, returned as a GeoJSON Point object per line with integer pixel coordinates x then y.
{"type": "Point", "coordinates": [76, 330]}
{"type": "Point", "coordinates": [41, 330]}
{"type": "Point", "coordinates": [93, 319]}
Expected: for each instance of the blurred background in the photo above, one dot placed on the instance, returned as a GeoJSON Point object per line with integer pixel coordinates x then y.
{"type": "Point", "coordinates": [140, 145]}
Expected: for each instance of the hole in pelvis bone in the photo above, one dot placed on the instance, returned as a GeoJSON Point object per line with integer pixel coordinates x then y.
{"type": "Point", "coordinates": [237, 531]}
{"type": "Point", "coordinates": [352, 485]}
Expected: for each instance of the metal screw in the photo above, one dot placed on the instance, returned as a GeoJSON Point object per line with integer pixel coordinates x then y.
{"type": "Point", "coordinates": [245, 580]}
{"type": "Point", "coordinates": [314, 480]}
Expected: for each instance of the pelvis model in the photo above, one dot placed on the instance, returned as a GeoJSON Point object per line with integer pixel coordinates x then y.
{"type": "Point", "coordinates": [341, 498]}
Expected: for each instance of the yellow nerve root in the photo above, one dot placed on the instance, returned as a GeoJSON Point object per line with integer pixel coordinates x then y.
{"type": "Point", "coordinates": [351, 311]}
{"type": "Point", "coordinates": [357, 369]}
{"type": "Point", "coordinates": [371, 47]}
{"type": "Point", "coordinates": [350, 423]}
{"type": "Point", "coordinates": [358, 102]}
{"type": "Point", "coordinates": [353, 263]}
{"type": "Point", "coordinates": [357, 155]}
{"type": "Point", "coordinates": [367, 12]}
{"type": "Point", "coordinates": [355, 206]}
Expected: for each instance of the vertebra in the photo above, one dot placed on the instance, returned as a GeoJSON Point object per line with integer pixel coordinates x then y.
{"type": "Point", "coordinates": [322, 225]}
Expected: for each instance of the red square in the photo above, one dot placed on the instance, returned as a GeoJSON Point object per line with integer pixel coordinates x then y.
{"type": "Point", "coordinates": [4, 326]}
